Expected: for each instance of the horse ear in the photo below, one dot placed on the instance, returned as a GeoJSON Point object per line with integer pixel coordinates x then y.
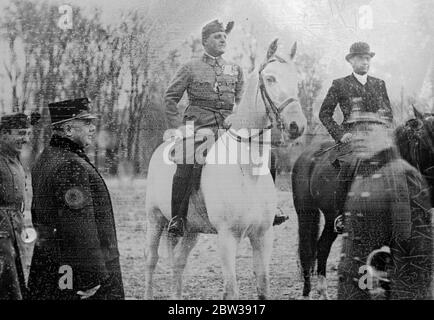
{"type": "Point", "coordinates": [417, 114]}
{"type": "Point", "coordinates": [272, 49]}
{"type": "Point", "coordinates": [293, 50]}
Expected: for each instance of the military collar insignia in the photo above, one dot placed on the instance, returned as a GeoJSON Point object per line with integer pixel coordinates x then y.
{"type": "Point", "coordinates": [212, 60]}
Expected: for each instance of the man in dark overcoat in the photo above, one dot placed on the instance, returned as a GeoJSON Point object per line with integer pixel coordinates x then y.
{"type": "Point", "coordinates": [76, 255]}
{"type": "Point", "coordinates": [14, 133]}
{"type": "Point", "coordinates": [387, 245]}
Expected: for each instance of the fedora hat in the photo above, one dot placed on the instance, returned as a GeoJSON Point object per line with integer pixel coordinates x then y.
{"type": "Point", "coordinates": [359, 48]}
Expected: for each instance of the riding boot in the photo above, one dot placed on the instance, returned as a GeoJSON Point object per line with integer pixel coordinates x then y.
{"type": "Point", "coordinates": [279, 218]}
{"type": "Point", "coordinates": [345, 180]}
{"type": "Point", "coordinates": [273, 166]}
{"type": "Point", "coordinates": [180, 195]}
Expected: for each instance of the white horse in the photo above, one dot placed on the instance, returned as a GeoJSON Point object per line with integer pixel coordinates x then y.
{"type": "Point", "coordinates": [239, 196]}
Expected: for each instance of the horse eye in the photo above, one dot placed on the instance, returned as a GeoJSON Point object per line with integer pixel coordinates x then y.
{"type": "Point", "coordinates": [415, 123]}
{"type": "Point", "coordinates": [271, 79]}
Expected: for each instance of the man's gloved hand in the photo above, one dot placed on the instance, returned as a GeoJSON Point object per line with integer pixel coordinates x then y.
{"type": "Point", "coordinates": [88, 293]}
{"type": "Point", "coordinates": [346, 138]}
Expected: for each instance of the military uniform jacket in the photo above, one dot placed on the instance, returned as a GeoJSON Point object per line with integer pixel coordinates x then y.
{"type": "Point", "coordinates": [12, 196]}
{"type": "Point", "coordinates": [73, 215]}
{"type": "Point", "coordinates": [12, 179]}
{"type": "Point", "coordinates": [213, 86]}
{"type": "Point", "coordinates": [348, 92]}
{"type": "Point", "coordinates": [388, 205]}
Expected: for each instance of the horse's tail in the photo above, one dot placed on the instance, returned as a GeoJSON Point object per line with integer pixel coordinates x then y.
{"type": "Point", "coordinates": [307, 212]}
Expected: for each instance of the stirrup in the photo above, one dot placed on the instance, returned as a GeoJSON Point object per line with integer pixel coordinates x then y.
{"type": "Point", "coordinates": [338, 224]}
{"type": "Point", "coordinates": [176, 226]}
{"type": "Point", "coordinates": [280, 218]}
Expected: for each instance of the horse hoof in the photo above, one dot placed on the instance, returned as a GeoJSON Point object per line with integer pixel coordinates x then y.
{"type": "Point", "coordinates": [322, 287]}
{"type": "Point", "coordinates": [303, 297]}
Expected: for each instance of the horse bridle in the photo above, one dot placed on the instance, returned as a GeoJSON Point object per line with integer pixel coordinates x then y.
{"type": "Point", "coordinates": [270, 106]}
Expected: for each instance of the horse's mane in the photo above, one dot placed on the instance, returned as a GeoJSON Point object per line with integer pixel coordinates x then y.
{"type": "Point", "coordinates": [411, 138]}
{"type": "Point", "coordinates": [248, 113]}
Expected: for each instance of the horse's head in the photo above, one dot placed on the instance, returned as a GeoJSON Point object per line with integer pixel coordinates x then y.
{"type": "Point", "coordinates": [278, 86]}
{"type": "Point", "coordinates": [270, 98]}
{"type": "Point", "coordinates": [415, 141]}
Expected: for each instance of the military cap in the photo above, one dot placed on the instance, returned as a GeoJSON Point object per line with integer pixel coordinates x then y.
{"type": "Point", "coordinates": [15, 121]}
{"type": "Point", "coordinates": [67, 110]}
{"type": "Point", "coordinates": [359, 48]}
{"type": "Point", "coordinates": [215, 26]}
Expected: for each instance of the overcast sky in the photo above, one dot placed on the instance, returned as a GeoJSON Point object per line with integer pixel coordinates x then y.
{"type": "Point", "coordinates": [326, 26]}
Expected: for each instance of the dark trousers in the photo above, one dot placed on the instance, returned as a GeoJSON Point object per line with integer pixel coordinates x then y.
{"type": "Point", "coordinates": [187, 178]}
{"type": "Point", "coordinates": [12, 282]}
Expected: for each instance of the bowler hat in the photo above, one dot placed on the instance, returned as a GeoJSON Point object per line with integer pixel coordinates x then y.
{"type": "Point", "coordinates": [215, 26]}
{"type": "Point", "coordinates": [15, 121]}
{"type": "Point", "coordinates": [359, 48]}
{"type": "Point", "coordinates": [67, 110]}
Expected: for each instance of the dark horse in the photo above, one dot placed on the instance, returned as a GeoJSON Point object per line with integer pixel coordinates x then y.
{"type": "Point", "coordinates": [314, 185]}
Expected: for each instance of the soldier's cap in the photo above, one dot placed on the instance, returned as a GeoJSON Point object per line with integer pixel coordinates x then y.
{"type": "Point", "coordinates": [15, 121]}
{"type": "Point", "coordinates": [215, 26]}
{"type": "Point", "coordinates": [368, 117]}
{"type": "Point", "coordinates": [359, 48]}
{"type": "Point", "coordinates": [66, 110]}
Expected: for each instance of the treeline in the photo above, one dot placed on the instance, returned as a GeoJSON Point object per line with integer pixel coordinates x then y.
{"type": "Point", "coordinates": [123, 67]}
{"type": "Point", "coordinates": [117, 66]}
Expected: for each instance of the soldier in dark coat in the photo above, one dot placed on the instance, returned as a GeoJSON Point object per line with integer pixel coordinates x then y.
{"type": "Point", "coordinates": [14, 133]}
{"type": "Point", "coordinates": [388, 226]}
{"type": "Point", "coordinates": [76, 255]}
{"type": "Point", "coordinates": [358, 92]}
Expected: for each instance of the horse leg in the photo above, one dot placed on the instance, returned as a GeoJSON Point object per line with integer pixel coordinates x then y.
{"type": "Point", "coordinates": [308, 219]}
{"type": "Point", "coordinates": [308, 229]}
{"type": "Point", "coordinates": [328, 236]}
{"type": "Point", "coordinates": [262, 247]}
{"type": "Point", "coordinates": [182, 252]}
{"type": "Point", "coordinates": [154, 229]}
{"type": "Point", "coordinates": [227, 249]}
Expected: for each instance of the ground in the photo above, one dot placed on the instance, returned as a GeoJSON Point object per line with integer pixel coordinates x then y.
{"type": "Point", "coordinates": [203, 278]}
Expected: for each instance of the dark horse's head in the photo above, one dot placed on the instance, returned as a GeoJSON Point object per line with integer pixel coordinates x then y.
{"type": "Point", "coordinates": [415, 141]}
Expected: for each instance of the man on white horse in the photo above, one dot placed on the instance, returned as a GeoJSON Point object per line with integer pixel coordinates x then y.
{"type": "Point", "coordinates": [213, 86]}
